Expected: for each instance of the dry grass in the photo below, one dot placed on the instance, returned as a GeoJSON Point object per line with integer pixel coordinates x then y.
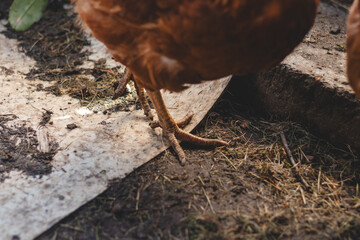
{"type": "Point", "coordinates": [249, 190]}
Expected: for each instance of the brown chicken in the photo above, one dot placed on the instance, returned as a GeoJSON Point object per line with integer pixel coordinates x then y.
{"type": "Point", "coordinates": [167, 44]}
{"type": "Point", "coordinates": [353, 47]}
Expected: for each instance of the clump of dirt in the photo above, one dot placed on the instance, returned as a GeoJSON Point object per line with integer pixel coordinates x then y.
{"type": "Point", "coordinates": [6, 71]}
{"type": "Point", "coordinates": [19, 149]}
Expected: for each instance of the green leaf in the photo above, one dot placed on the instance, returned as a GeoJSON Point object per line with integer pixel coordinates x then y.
{"type": "Point", "coordinates": [24, 13]}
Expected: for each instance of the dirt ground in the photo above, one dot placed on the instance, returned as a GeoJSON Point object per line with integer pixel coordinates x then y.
{"type": "Point", "coordinates": [248, 190]}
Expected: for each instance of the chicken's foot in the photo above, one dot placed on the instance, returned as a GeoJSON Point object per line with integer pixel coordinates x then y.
{"type": "Point", "coordinates": [172, 131]}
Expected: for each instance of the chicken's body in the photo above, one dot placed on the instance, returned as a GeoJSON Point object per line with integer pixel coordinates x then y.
{"type": "Point", "coordinates": [167, 44]}
{"type": "Point", "coordinates": [353, 47]}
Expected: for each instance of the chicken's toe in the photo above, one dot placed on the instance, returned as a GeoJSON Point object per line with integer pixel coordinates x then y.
{"type": "Point", "coordinates": [181, 124]}
{"type": "Point", "coordinates": [175, 134]}
{"type": "Point", "coordinates": [172, 131]}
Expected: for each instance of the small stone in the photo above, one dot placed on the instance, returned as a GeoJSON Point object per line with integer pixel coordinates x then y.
{"type": "Point", "coordinates": [71, 126]}
{"type": "Point", "coordinates": [335, 30]}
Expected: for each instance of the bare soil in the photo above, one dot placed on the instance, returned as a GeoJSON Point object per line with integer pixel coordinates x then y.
{"type": "Point", "coordinates": [249, 190]}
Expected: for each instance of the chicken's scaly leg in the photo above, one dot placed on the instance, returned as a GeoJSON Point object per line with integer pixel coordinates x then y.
{"type": "Point", "coordinates": [143, 101]}
{"type": "Point", "coordinates": [173, 132]}
{"type": "Point", "coordinates": [123, 81]}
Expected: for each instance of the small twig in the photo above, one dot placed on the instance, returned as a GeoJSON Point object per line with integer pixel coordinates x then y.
{"type": "Point", "coordinates": [319, 180]}
{"type": "Point", "coordinates": [228, 160]}
{"type": "Point", "coordinates": [292, 160]}
{"type": "Point", "coordinates": [137, 199]}
{"type": "Point", "coordinates": [303, 195]}
{"type": "Point", "coordinates": [202, 182]}
{"type": "Point", "coordinates": [208, 199]}
{"type": "Point", "coordinates": [75, 228]}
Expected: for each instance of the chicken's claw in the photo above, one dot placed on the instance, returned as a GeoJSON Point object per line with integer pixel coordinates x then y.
{"type": "Point", "coordinates": [172, 131]}
{"type": "Point", "coordinates": [178, 134]}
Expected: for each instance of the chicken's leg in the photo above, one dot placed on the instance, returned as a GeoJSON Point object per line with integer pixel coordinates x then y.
{"type": "Point", "coordinates": [143, 101]}
{"type": "Point", "coordinates": [123, 81]}
{"type": "Point", "coordinates": [173, 132]}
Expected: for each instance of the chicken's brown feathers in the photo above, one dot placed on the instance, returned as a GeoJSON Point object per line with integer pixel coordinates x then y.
{"type": "Point", "coordinates": [169, 43]}
{"type": "Point", "coordinates": [353, 47]}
